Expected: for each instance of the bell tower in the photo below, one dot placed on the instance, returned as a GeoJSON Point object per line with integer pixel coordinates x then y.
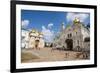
{"type": "Point", "coordinates": [62, 26]}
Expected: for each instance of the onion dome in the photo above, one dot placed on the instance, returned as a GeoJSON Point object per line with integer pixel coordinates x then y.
{"type": "Point", "coordinates": [76, 20]}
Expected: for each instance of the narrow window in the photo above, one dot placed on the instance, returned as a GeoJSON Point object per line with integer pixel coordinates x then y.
{"type": "Point", "coordinates": [70, 35]}
{"type": "Point", "coordinates": [76, 33]}
{"type": "Point", "coordinates": [78, 42]}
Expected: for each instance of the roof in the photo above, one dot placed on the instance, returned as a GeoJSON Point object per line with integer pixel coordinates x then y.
{"type": "Point", "coordinates": [36, 32]}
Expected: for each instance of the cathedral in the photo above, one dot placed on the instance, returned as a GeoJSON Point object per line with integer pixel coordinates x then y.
{"type": "Point", "coordinates": [32, 39]}
{"type": "Point", "coordinates": [36, 39]}
{"type": "Point", "coordinates": [74, 37]}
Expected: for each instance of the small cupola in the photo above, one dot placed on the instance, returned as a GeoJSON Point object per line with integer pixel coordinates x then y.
{"type": "Point", "coordinates": [76, 20]}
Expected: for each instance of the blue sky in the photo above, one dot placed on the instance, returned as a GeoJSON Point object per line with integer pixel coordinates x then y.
{"type": "Point", "coordinates": [50, 21]}
{"type": "Point", "coordinates": [40, 18]}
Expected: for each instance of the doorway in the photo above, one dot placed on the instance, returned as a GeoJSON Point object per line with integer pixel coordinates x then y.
{"type": "Point", "coordinates": [36, 43]}
{"type": "Point", "coordinates": [69, 43]}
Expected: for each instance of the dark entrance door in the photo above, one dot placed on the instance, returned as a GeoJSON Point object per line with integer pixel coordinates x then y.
{"type": "Point", "coordinates": [69, 43]}
{"type": "Point", "coordinates": [36, 43]}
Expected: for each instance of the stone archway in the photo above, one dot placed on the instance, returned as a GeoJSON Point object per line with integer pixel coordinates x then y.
{"type": "Point", "coordinates": [36, 43]}
{"type": "Point", "coordinates": [69, 43]}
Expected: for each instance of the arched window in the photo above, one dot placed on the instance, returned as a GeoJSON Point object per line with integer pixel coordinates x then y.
{"type": "Point", "coordinates": [78, 42]}
{"type": "Point", "coordinates": [76, 33]}
{"type": "Point", "coordinates": [70, 35]}
{"type": "Point", "coordinates": [87, 39]}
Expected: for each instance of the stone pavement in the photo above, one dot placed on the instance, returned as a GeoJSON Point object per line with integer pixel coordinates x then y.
{"type": "Point", "coordinates": [46, 54]}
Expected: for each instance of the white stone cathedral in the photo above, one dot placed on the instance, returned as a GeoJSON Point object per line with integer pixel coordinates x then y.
{"type": "Point", "coordinates": [74, 37]}
{"type": "Point", "coordinates": [32, 39]}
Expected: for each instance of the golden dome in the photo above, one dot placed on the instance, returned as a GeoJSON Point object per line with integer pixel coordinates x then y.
{"type": "Point", "coordinates": [33, 31]}
{"type": "Point", "coordinates": [76, 20]}
{"type": "Point", "coordinates": [40, 33]}
{"type": "Point", "coordinates": [36, 33]}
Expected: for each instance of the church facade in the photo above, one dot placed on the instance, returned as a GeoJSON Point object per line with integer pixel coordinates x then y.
{"type": "Point", "coordinates": [36, 39]}
{"type": "Point", "coordinates": [74, 37]}
{"type": "Point", "coordinates": [32, 39]}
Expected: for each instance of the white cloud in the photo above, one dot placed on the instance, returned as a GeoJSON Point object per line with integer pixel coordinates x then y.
{"type": "Point", "coordinates": [48, 33]}
{"type": "Point", "coordinates": [43, 28]}
{"type": "Point", "coordinates": [50, 25]}
{"type": "Point", "coordinates": [81, 16]}
{"type": "Point", "coordinates": [25, 23]}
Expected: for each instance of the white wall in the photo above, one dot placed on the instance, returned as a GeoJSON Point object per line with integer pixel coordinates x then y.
{"type": "Point", "coordinates": [5, 35]}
